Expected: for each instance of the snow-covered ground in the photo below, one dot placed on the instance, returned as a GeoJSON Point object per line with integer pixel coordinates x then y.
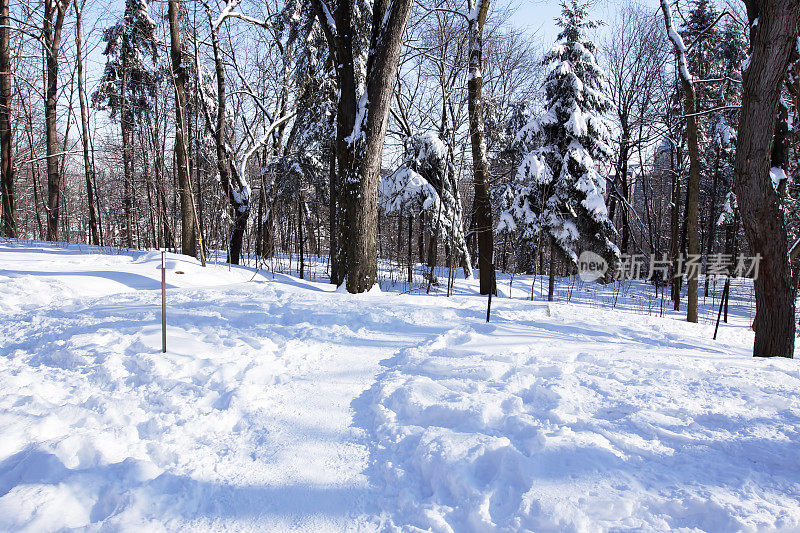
{"type": "Point", "coordinates": [282, 404]}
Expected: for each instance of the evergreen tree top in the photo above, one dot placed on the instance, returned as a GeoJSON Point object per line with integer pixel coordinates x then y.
{"type": "Point", "coordinates": [574, 22]}
{"type": "Point", "coordinates": [132, 52]}
{"type": "Point", "coordinates": [133, 33]}
{"type": "Point", "coordinates": [559, 189]}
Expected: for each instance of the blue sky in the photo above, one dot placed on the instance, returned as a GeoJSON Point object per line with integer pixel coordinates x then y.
{"type": "Point", "coordinates": [538, 16]}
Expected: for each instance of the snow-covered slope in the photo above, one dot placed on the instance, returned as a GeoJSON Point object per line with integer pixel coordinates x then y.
{"type": "Point", "coordinates": [284, 405]}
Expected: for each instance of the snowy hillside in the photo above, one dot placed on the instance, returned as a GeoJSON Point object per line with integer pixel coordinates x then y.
{"type": "Point", "coordinates": [285, 405]}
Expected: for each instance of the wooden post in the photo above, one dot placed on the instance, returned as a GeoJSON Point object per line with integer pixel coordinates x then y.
{"type": "Point", "coordinates": [163, 305]}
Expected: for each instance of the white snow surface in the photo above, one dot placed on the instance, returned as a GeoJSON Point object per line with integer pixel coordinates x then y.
{"type": "Point", "coordinates": [285, 405]}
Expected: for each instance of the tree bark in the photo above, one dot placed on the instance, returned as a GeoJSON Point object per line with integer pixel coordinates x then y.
{"type": "Point", "coordinates": [88, 169]}
{"type": "Point", "coordinates": [772, 41]}
{"type": "Point", "coordinates": [361, 128]}
{"type": "Point", "coordinates": [53, 23]}
{"type": "Point", "coordinates": [480, 163]}
{"type": "Point", "coordinates": [233, 183]}
{"type": "Point", "coordinates": [623, 170]}
{"type": "Point", "coordinates": [9, 215]}
{"type": "Point", "coordinates": [334, 227]}
{"type": "Point", "coordinates": [693, 185]}
{"type": "Point", "coordinates": [410, 263]}
{"type": "Point", "coordinates": [188, 223]}
{"type": "Point", "coordinates": [692, 201]}
{"type": "Point", "coordinates": [551, 285]}
{"type": "Point", "coordinates": [300, 239]}
{"type": "Point", "coordinates": [675, 235]}
{"type": "Point", "coordinates": [126, 126]}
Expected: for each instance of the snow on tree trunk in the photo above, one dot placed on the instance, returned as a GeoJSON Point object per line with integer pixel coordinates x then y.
{"type": "Point", "coordinates": [482, 207]}
{"type": "Point", "coordinates": [362, 115]}
{"type": "Point", "coordinates": [693, 185]}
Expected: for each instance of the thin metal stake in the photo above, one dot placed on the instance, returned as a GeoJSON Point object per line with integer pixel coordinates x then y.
{"type": "Point", "coordinates": [722, 303]}
{"type": "Point", "coordinates": [491, 291]}
{"type": "Point", "coordinates": [163, 306]}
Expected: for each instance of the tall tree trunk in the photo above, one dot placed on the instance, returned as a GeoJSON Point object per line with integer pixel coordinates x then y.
{"type": "Point", "coordinates": [9, 215]}
{"type": "Point", "coordinates": [480, 163]}
{"type": "Point", "coordinates": [334, 227]}
{"type": "Point", "coordinates": [712, 211]}
{"type": "Point", "coordinates": [772, 40]}
{"type": "Point", "coordinates": [126, 127]}
{"type": "Point", "coordinates": [361, 127]}
{"type": "Point", "coordinates": [88, 169]}
{"type": "Point", "coordinates": [675, 235]}
{"type": "Point", "coordinates": [693, 185]}
{"type": "Point", "coordinates": [260, 220]}
{"type": "Point", "coordinates": [236, 189]}
{"type": "Point", "coordinates": [626, 229]}
{"type": "Point", "coordinates": [551, 285]}
{"type": "Point", "coordinates": [188, 234]}
{"type": "Point", "coordinates": [692, 210]}
{"type": "Point", "coordinates": [410, 263]}
{"type": "Point", "coordinates": [300, 239]}
{"type": "Point", "coordinates": [421, 238]}
{"type": "Point", "coordinates": [53, 23]}
{"type": "Point", "coordinates": [268, 246]}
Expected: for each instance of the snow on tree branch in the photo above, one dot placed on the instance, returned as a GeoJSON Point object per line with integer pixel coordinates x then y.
{"type": "Point", "coordinates": [677, 42]}
{"type": "Point", "coordinates": [228, 12]}
{"type": "Point", "coordinates": [263, 141]}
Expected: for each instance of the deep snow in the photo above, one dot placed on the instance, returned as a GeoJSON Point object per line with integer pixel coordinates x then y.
{"type": "Point", "coordinates": [285, 405]}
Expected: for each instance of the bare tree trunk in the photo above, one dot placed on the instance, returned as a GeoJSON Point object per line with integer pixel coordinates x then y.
{"type": "Point", "coordinates": [300, 239]}
{"type": "Point", "coordinates": [551, 286]}
{"type": "Point", "coordinates": [421, 238]}
{"type": "Point", "coordinates": [188, 234]}
{"type": "Point", "coordinates": [361, 127]}
{"type": "Point", "coordinates": [674, 245]}
{"type": "Point", "coordinates": [692, 201]}
{"type": "Point", "coordinates": [693, 186]}
{"type": "Point", "coordinates": [772, 41]}
{"type": "Point", "coordinates": [34, 166]}
{"type": "Point", "coordinates": [233, 183]}
{"type": "Point", "coordinates": [480, 163]}
{"type": "Point", "coordinates": [626, 230]}
{"type": "Point", "coordinates": [126, 125]}
{"type": "Point", "coordinates": [259, 251]}
{"type": "Point", "coordinates": [712, 222]}
{"type": "Point", "coordinates": [53, 23]}
{"type": "Point", "coordinates": [9, 215]}
{"type": "Point", "coordinates": [334, 228]}
{"type": "Point", "coordinates": [410, 254]}
{"type": "Point", "coordinates": [88, 169]}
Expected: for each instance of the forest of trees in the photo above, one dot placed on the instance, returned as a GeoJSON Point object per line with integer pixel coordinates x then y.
{"type": "Point", "coordinates": [429, 133]}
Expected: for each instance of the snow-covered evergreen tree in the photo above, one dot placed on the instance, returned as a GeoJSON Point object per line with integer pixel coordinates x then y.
{"type": "Point", "coordinates": [131, 73]}
{"type": "Point", "coordinates": [559, 192]}
{"type": "Point", "coordinates": [702, 32]}
{"type": "Point", "coordinates": [730, 54]}
{"type": "Point", "coordinates": [425, 183]}
{"type": "Point", "coordinates": [129, 84]}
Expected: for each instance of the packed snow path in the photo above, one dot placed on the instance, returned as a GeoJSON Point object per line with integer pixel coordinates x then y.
{"type": "Point", "coordinates": [282, 405]}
